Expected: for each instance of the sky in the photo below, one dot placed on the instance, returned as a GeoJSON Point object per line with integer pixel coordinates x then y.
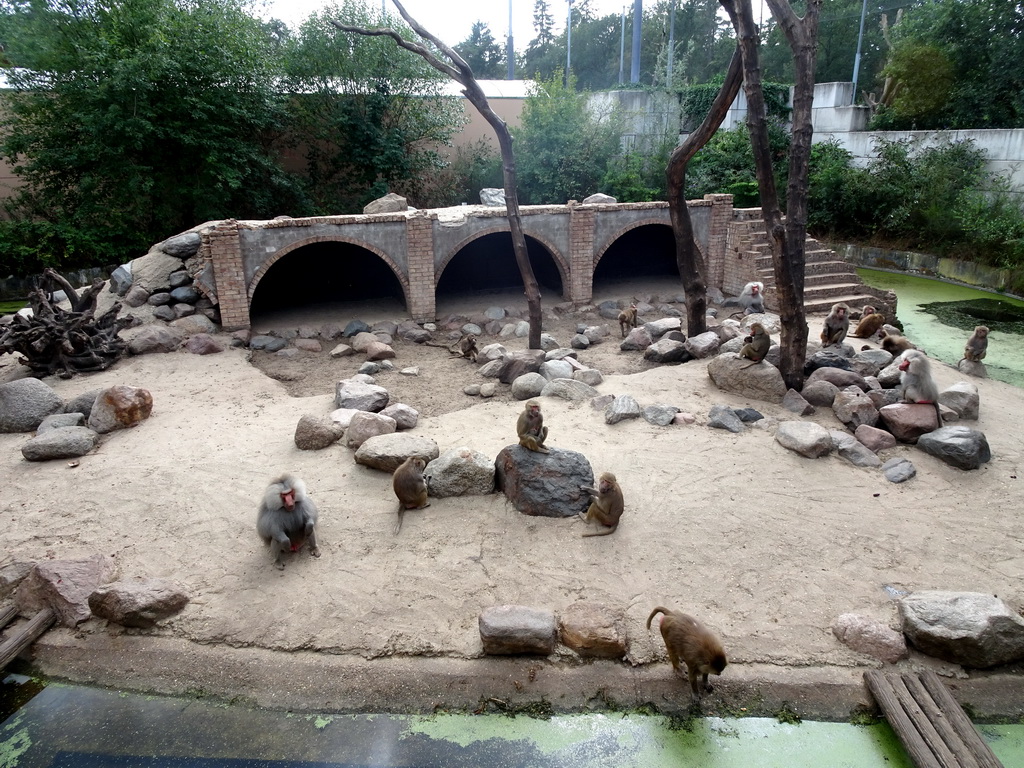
{"type": "Point", "coordinates": [452, 20]}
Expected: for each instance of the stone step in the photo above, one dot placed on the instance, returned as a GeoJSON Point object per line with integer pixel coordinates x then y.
{"type": "Point", "coordinates": [816, 304]}
{"type": "Point", "coordinates": [829, 278]}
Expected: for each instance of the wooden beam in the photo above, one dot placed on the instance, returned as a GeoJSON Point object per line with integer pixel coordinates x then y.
{"type": "Point", "coordinates": [26, 635]}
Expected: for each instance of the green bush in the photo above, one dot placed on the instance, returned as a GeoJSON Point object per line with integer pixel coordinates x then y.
{"type": "Point", "coordinates": [726, 164]}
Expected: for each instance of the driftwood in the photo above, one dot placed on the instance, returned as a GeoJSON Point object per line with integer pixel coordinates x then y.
{"type": "Point", "coordinates": [58, 341]}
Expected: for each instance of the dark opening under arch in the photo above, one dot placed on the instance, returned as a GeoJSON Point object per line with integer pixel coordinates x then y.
{"type": "Point", "coordinates": [647, 251]}
{"type": "Point", "coordinates": [325, 273]}
{"type": "Point", "coordinates": [489, 264]}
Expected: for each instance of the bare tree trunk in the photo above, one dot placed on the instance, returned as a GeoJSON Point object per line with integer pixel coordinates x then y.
{"type": "Point", "coordinates": [692, 269]}
{"type": "Point", "coordinates": [460, 71]}
{"type": "Point", "coordinates": [787, 239]}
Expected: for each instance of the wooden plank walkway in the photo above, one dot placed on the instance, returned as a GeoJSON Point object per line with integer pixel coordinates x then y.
{"type": "Point", "coordinates": [934, 729]}
{"type": "Point", "coordinates": [26, 635]}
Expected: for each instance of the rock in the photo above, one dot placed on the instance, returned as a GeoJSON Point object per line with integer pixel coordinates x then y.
{"type": "Point", "coordinates": [12, 574]}
{"type": "Point", "coordinates": [854, 408]}
{"type": "Point", "coordinates": [842, 379]}
{"type": "Point", "coordinates": [593, 631]}
{"type": "Point", "coordinates": [308, 345]}
{"type": "Point", "coordinates": [637, 339]}
{"type": "Point", "coordinates": [120, 407]}
{"type": "Point", "coordinates": [331, 331]}
{"type": "Point", "coordinates": [390, 203]}
{"type": "Point", "coordinates": [963, 398]}
{"type": "Point", "coordinates": [349, 393]}
{"type": "Point", "coordinates": [82, 403]}
{"type": "Point", "coordinates": [194, 324]}
{"type": "Point", "coordinates": [179, 278]}
{"type": "Point", "coordinates": [159, 299]}
{"type": "Point", "coordinates": [362, 340]}
{"type": "Point", "coordinates": [343, 416]}
{"type": "Point", "coordinates": [489, 389]}
{"type": "Point", "coordinates": [748, 415]}
{"type": "Point", "coordinates": [492, 197]}
{"type": "Point", "coordinates": [658, 328]}
{"type": "Point", "coordinates": [544, 484]}
{"type": "Point", "coordinates": [517, 629]}
{"type": "Point", "coordinates": [804, 437]}
{"type": "Point", "coordinates": [405, 416]}
{"type": "Point", "coordinates": [491, 352]}
{"type": "Point", "coordinates": [589, 376]}
{"type": "Point", "coordinates": [387, 451]}
{"type": "Point", "coordinates": [471, 389]}
{"type": "Point", "coordinates": [314, 433]}
{"type": "Point", "coordinates": [515, 365]}
{"type": "Point", "coordinates": [704, 345]}
{"type": "Point", "coordinates": [121, 279]}
{"type": "Point", "coordinates": [138, 603]}
{"type": "Point", "coordinates": [186, 294]}
{"type": "Point", "coordinates": [164, 313]}
{"type": "Point", "coordinates": [528, 385]}
{"type": "Point", "coordinates": [342, 350]}
{"type": "Point", "coordinates": [620, 408]}
{"type": "Point", "coordinates": [460, 472]}
{"type": "Point", "coordinates": [975, 630]}
{"type": "Point", "coordinates": [264, 343]}
{"type": "Point", "coordinates": [376, 350]}
{"type": "Point", "coordinates": [820, 393]}
{"type": "Point", "coordinates": [684, 419]}
{"type": "Point", "coordinates": [153, 271]}
{"type": "Point", "coordinates": [598, 198]}
{"type": "Point", "coordinates": [203, 344]}
{"type": "Point", "coordinates": [355, 326]}
{"type": "Point", "coordinates": [667, 351]}
{"type": "Point", "coordinates": [411, 371]}
{"type": "Point", "coordinates": [908, 421]}
{"type": "Point", "coordinates": [568, 389]}
{"type": "Point", "coordinates": [58, 420]}
{"type": "Point", "coordinates": [472, 328]}
{"type": "Point", "coordinates": [155, 338]}
{"type": "Point", "coordinates": [971, 368]}
{"type": "Point", "coordinates": [659, 415]}
{"type": "Point", "coordinates": [874, 438]}
{"type": "Point", "coordinates": [898, 470]}
{"type": "Point", "coordinates": [579, 341]}
{"type": "Point", "coordinates": [136, 296]}
{"type": "Point", "coordinates": [183, 246]}
{"type": "Point", "coordinates": [495, 313]}
{"type": "Point", "coordinates": [60, 443]}
{"type": "Point", "coordinates": [958, 446]}
{"type": "Point", "coordinates": [64, 586]}
{"type": "Point", "coordinates": [827, 358]}
{"type": "Point", "coordinates": [24, 403]}
{"type": "Point", "coordinates": [853, 451]}
{"type": "Point", "coordinates": [794, 402]}
{"type": "Point", "coordinates": [732, 373]}
{"type": "Point", "coordinates": [724, 417]}
{"type": "Point", "coordinates": [365, 425]}
{"type": "Point", "coordinates": [556, 369]}
{"type": "Point", "coordinates": [870, 637]}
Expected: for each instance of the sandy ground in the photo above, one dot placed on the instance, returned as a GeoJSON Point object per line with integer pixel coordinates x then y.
{"type": "Point", "coordinates": [765, 546]}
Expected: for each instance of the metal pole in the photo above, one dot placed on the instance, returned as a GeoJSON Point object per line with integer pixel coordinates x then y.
{"type": "Point", "coordinates": [622, 48]}
{"type": "Point", "coordinates": [860, 39]}
{"type": "Point", "coordinates": [568, 44]}
{"type": "Point", "coordinates": [509, 50]}
{"type": "Point", "coordinates": [634, 64]}
{"type": "Point", "coordinates": [671, 41]}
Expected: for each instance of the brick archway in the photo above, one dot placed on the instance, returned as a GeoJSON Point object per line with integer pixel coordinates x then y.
{"type": "Point", "coordinates": [614, 238]}
{"type": "Point", "coordinates": [560, 263]}
{"type": "Point", "coordinates": [285, 250]}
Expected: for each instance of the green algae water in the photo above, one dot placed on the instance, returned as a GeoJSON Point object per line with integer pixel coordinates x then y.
{"type": "Point", "coordinates": [65, 726]}
{"type": "Point", "coordinates": [939, 317]}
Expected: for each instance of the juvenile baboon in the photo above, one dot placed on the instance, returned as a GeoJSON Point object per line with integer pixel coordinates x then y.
{"type": "Point", "coordinates": [605, 505]}
{"type": "Point", "coordinates": [757, 343]}
{"type": "Point", "coordinates": [627, 320]}
{"type": "Point", "coordinates": [916, 382]}
{"type": "Point", "coordinates": [287, 518]}
{"type": "Point", "coordinates": [977, 345]}
{"type": "Point", "coordinates": [467, 348]}
{"type": "Point", "coordinates": [410, 487]}
{"type": "Point", "coordinates": [530, 428]}
{"type": "Point", "coordinates": [690, 642]}
{"type": "Point", "coordinates": [837, 324]}
{"type": "Point", "coordinates": [895, 344]}
{"type": "Point", "coordinates": [870, 323]}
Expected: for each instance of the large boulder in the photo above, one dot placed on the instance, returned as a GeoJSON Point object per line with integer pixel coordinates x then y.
{"type": "Point", "coordinates": [155, 338]}
{"type": "Point", "coordinates": [804, 437]}
{"type": "Point", "coordinates": [517, 629]}
{"type": "Point", "coordinates": [138, 603]}
{"type": "Point", "coordinates": [24, 403]}
{"type": "Point", "coordinates": [957, 445]}
{"type": "Point", "coordinates": [969, 628]}
{"type": "Point", "coordinates": [387, 451]}
{"type": "Point", "coordinates": [460, 472]}
{"type": "Point", "coordinates": [732, 373]}
{"type": "Point", "coordinates": [593, 630]}
{"type": "Point", "coordinates": [64, 586]}
{"type": "Point", "coordinates": [349, 393]}
{"type": "Point", "coordinates": [120, 407]}
{"type": "Point", "coordinates": [544, 484]}
{"type": "Point", "coordinates": [60, 443]}
{"type": "Point", "coordinates": [390, 203]}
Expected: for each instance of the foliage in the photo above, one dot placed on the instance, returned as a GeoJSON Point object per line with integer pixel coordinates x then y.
{"type": "Point", "coordinates": [726, 164]}
{"type": "Point", "coordinates": [635, 177]}
{"type": "Point", "coordinates": [367, 115]}
{"type": "Point", "coordinates": [696, 101]}
{"type": "Point", "coordinates": [485, 57]}
{"type": "Point", "coordinates": [562, 149]}
{"type": "Point", "coordinates": [937, 199]}
{"type": "Point", "coordinates": [132, 120]}
{"type": "Point", "coordinates": [472, 168]}
{"type": "Point", "coordinates": [979, 45]}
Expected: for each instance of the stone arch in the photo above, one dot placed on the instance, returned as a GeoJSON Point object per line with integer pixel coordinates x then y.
{"type": "Point", "coordinates": [403, 279]}
{"type": "Point", "coordinates": [560, 263]}
{"type": "Point", "coordinates": [611, 240]}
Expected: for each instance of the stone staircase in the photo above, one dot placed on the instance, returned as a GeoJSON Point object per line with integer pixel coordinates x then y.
{"type": "Point", "coordinates": [828, 279]}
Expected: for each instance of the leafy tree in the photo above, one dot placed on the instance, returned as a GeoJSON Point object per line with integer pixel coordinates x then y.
{"type": "Point", "coordinates": [367, 117]}
{"type": "Point", "coordinates": [563, 149]}
{"type": "Point", "coordinates": [538, 60]}
{"type": "Point", "coordinates": [980, 46]}
{"type": "Point", "coordinates": [485, 57]}
{"type": "Point", "coordinates": [726, 164]}
{"type": "Point", "coordinates": [130, 120]}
